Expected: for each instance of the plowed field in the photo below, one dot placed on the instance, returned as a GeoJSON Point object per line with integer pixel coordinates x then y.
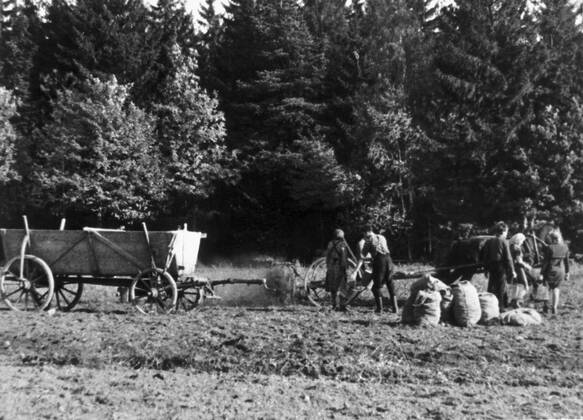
{"type": "Point", "coordinates": [238, 360]}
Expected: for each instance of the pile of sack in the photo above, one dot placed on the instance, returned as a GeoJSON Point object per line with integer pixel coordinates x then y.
{"type": "Point", "coordinates": [431, 301]}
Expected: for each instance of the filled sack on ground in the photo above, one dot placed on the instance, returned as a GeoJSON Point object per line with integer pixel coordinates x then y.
{"type": "Point", "coordinates": [466, 304]}
{"type": "Point", "coordinates": [426, 308]}
{"type": "Point", "coordinates": [426, 283]}
{"type": "Point", "coordinates": [490, 308]}
{"type": "Point", "coordinates": [521, 317]}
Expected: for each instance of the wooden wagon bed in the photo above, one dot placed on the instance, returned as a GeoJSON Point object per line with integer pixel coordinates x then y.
{"type": "Point", "coordinates": [157, 267]}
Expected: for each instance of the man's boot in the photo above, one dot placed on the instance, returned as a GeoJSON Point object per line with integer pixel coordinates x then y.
{"type": "Point", "coordinates": [395, 304]}
{"type": "Point", "coordinates": [378, 300]}
{"type": "Point", "coordinates": [334, 298]}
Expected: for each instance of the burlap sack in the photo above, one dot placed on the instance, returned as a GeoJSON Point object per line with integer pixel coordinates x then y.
{"type": "Point", "coordinates": [466, 304]}
{"type": "Point", "coordinates": [521, 317]}
{"type": "Point", "coordinates": [426, 309]}
{"type": "Point", "coordinates": [490, 308]}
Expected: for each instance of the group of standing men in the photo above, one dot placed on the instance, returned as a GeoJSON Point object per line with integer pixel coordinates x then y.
{"type": "Point", "coordinates": [504, 264]}
{"type": "Point", "coordinates": [373, 246]}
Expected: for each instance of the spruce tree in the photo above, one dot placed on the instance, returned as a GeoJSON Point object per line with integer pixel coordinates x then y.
{"type": "Point", "coordinates": [94, 37]}
{"type": "Point", "coordinates": [553, 142]}
{"type": "Point", "coordinates": [271, 74]}
{"type": "Point", "coordinates": [169, 26]}
{"type": "Point", "coordinates": [208, 40]}
{"type": "Point", "coordinates": [190, 131]}
{"type": "Point", "coordinates": [18, 26]}
{"type": "Point", "coordinates": [483, 82]}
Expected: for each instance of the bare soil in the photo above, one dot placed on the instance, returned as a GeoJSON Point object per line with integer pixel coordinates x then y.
{"type": "Point", "coordinates": [104, 360]}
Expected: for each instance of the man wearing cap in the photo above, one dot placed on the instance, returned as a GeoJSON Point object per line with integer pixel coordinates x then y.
{"type": "Point", "coordinates": [382, 266]}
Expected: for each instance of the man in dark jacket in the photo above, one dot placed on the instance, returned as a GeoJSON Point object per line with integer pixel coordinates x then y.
{"type": "Point", "coordinates": [498, 262]}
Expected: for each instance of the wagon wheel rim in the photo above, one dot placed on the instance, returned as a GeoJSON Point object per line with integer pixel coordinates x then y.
{"type": "Point", "coordinates": [67, 294]}
{"type": "Point", "coordinates": [33, 291]}
{"type": "Point", "coordinates": [188, 299]}
{"type": "Point", "coordinates": [154, 291]}
{"type": "Point", "coordinates": [315, 281]}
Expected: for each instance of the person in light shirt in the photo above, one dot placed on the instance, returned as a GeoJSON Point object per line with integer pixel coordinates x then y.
{"type": "Point", "coordinates": [375, 245]}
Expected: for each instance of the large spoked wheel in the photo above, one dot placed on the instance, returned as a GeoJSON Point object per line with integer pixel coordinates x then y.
{"type": "Point", "coordinates": [315, 281]}
{"type": "Point", "coordinates": [33, 290]}
{"type": "Point", "coordinates": [189, 298]}
{"type": "Point", "coordinates": [154, 291]}
{"type": "Point", "coordinates": [67, 294]}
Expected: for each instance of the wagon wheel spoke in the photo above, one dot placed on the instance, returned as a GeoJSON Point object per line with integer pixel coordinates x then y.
{"type": "Point", "coordinates": [60, 293]}
{"type": "Point", "coordinates": [64, 289]}
{"type": "Point", "coordinates": [160, 303]}
{"type": "Point", "coordinates": [20, 296]}
{"type": "Point", "coordinates": [13, 292]}
{"type": "Point", "coordinates": [34, 280]}
{"type": "Point", "coordinates": [35, 297]}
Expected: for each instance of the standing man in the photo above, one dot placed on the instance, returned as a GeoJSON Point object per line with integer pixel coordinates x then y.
{"type": "Point", "coordinates": [336, 265]}
{"type": "Point", "coordinates": [498, 261]}
{"type": "Point", "coordinates": [382, 266]}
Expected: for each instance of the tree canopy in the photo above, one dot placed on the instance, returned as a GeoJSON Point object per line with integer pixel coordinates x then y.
{"type": "Point", "coordinates": [273, 123]}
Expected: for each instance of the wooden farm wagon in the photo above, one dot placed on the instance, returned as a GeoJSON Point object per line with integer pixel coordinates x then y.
{"type": "Point", "coordinates": [44, 266]}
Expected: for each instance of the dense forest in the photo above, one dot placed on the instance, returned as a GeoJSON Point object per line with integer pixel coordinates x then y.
{"type": "Point", "coordinates": [271, 124]}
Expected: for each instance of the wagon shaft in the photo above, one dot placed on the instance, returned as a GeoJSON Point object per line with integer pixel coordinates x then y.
{"type": "Point", "coordinates": [261, 282]}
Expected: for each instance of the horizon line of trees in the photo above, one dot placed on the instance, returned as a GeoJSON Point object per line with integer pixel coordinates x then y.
{"type": "Point", "coordinates": [279, 121]}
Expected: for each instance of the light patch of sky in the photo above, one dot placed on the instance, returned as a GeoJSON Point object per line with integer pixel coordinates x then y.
{"type": "Point", "coordinates": [194, 5]}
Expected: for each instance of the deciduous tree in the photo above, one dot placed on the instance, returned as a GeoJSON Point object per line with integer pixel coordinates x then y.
{"type": "Point", "coordinates": [98, 155]}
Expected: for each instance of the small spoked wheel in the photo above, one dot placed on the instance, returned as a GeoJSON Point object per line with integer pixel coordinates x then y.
{"type": "Point", "coordinates": [27, 284]}
{"type": "Point", "coordinates": [67, 294]}
{"type": "Point", "coordinates": [154, 291]}
{"type": "Point", "coordinates": [189, 298]}
{"type": "Point", "coordinates": [315, 280]}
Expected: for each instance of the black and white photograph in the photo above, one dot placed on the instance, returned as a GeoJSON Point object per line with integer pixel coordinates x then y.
{"type": "Point", "coordinates": [291, 209]}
